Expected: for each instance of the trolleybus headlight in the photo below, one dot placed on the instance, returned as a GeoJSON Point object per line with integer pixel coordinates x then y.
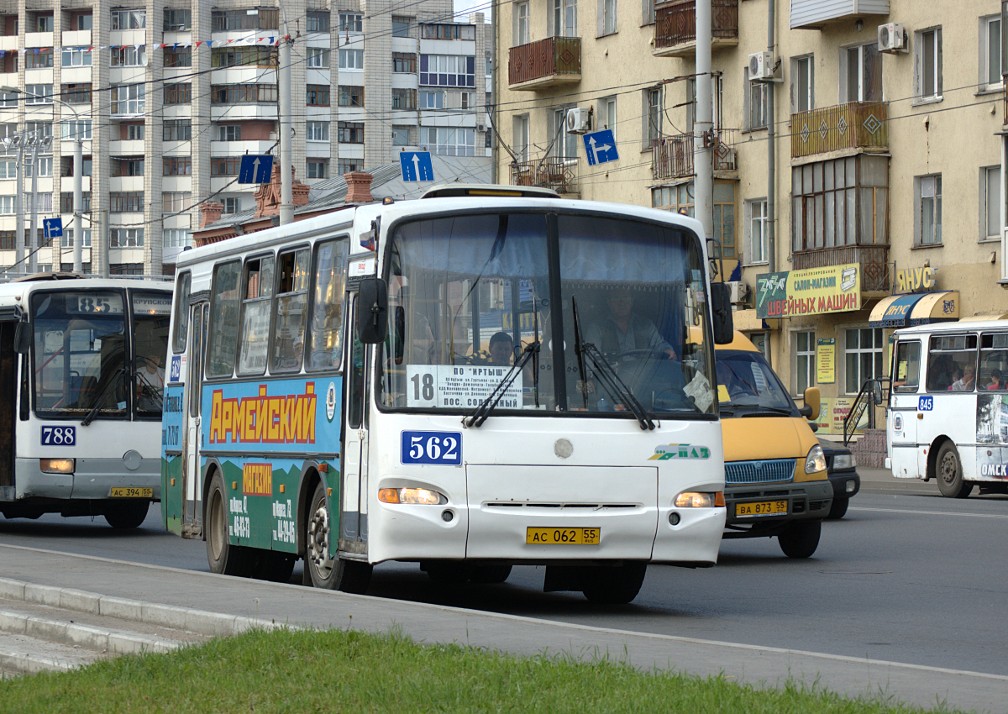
{"type": "Point", "coordinates": [699, 499]}
{"type": "Point", "coordinates": [56, 466]}
{"type": "Point", "coordinates": [816, 460]}
{"type": "Point", "coordinates": [412, 496]}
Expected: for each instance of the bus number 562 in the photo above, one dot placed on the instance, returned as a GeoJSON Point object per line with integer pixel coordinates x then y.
{"type": "Point", "coordinates": [431, 447]}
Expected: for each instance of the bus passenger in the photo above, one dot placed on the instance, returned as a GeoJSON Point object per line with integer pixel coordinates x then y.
{"type": "Point", "coordinates": [996, 384]}
{"type": "Point", "coordinates": [501, 348]}
{"type": "Point", "coordinates": [966, 382]}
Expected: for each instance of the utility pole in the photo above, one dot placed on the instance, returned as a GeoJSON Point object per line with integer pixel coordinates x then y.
{"type": "Point", "coordinates": [19, 206]}
{"type": "Point", "coordinates": [78, 223]}
{"type": "Point", "coordinates": [703, 127]}
{"type": "Point", "coordinates": [286, 128]}
{"type": "Point", "coordinates": [33, 245]}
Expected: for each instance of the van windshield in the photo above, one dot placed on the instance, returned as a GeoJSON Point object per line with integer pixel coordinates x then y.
{"type": "Point", "coordinates": [748, 387]}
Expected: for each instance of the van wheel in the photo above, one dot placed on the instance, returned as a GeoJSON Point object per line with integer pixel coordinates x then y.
{"type": "Point", "coordinates": [223, 557]}
{"type": "Point", "coordinates": [323, 570]}
{"type": "Point", "coordinates": [800, 540]}
{"type": "Point", "coordinates": [839, 508]}
{"type": "Point", "coordinates": [949, 468]}
{"type": "Point", "coordinates": [608, 585]}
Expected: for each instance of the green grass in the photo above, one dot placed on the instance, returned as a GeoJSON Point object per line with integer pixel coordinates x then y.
{"type": "Point", "coordinates": [339, 671]}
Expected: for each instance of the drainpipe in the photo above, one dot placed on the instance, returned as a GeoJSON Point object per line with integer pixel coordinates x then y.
{"type": "Point", "coordinates": [771, 144]}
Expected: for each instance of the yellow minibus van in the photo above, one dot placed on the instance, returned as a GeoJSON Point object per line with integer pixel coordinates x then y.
{"type": "Point", "coordinates": [776, 484]}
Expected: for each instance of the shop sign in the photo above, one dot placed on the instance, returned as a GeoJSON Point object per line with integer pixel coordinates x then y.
{"type": "Point", "coordinates": [812, 291]}
{"type": "Point", "coordinates": [915, 280]}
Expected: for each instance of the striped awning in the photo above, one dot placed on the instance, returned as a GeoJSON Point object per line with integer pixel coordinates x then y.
{"type": "Point", "coordinates": [915, 309]}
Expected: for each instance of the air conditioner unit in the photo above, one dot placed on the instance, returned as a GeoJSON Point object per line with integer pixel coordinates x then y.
{"type": "Point", "coordinates": [578, 120]}
{"type": "Point", "coordinates": [739, 291]}
{"type": "Point", "coordinates": [892, 37]}
{"type": "Point", "coordinates": [481, 128]}
{"type": "Point", "coordinates": [761, 66]}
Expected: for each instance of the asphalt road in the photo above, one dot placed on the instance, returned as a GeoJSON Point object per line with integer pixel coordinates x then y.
{"type": "Point", "coordinates": [907, 577]}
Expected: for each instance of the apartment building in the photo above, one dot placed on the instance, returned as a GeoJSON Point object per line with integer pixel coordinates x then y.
{"type": "Point", "coordinates": [858, 151]}
{"type": "Point", "coordinates": [166, 96]}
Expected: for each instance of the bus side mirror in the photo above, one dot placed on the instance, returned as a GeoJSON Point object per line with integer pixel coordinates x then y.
{"type": "Point", "coordinates": [22, 337]}
{"type": "Point", "coordinates": [724, 324]}
{"type": "Point", "coordinates": [372, 311]}
{"type": "Point", "coordinates": [810, 410]}
{"type": "Point", "coordinates": [876, 392]}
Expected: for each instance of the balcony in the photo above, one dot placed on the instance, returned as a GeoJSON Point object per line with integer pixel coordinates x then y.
{"type": "Point", "coordinates": [556, 172]}
{"type": "Point", "coordinates": [675, 27]}
{"type": "Point", "coordinates": [544, 63]}
{"type": "Point", "coordinates": [672, 156]}
{"type": "Point", "coordinates": [874, 261]}
{"type": "Point", "coordinates": [842, 127]}
{"type": "Point", "coordinates": [813, 14]}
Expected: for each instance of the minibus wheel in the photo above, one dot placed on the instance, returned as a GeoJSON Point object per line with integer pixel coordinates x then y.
{"type": "Point", "coordinates": [949, 471]}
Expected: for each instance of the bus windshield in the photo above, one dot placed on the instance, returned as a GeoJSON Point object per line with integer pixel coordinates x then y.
{"type": "Point", "coordinates": [582, 313]}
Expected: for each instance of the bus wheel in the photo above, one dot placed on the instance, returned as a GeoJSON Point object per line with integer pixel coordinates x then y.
{"type": "Point", "coordinates": [609, 585]}
{"type": "Point", "coordinates": [223, 558]}
{"type": "Point", "coordinates": [800, 540]}
{"type": "Point", "coordinates": [127, 514]}
{"type": "Point", "coordinates": [950, 478]}
{"type": "Point", "coordinates": [324, 571]}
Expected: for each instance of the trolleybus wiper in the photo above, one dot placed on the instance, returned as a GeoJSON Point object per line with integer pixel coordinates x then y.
{"type": "Point", "coordinates": [485, 407]}
{"type": "Point", "coordinates": [121, 372]}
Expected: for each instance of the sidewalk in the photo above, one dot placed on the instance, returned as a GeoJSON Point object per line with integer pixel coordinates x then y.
{"type": "Point", "coordinates": [178, 598]}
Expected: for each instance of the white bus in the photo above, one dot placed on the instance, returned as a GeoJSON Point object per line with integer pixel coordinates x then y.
{"type": "Point", "coordinates": [80, 427]}
{"type": "Point", "coordinates": [947, 416]}
{"type": "Point", "coordinates": [332, 395]}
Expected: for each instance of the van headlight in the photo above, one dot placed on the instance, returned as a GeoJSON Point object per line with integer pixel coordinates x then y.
{"type": "Point", "coordinates": [816, 460]}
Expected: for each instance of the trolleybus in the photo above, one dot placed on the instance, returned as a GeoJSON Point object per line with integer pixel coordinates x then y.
{"type": "Point", "coordinates": [332, 395]}
{"type": "Point", "coordinates": [80, 428]}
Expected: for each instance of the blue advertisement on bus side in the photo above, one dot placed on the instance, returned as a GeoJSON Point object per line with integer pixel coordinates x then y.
{"type": "Point", "coordinates": [992, 436]}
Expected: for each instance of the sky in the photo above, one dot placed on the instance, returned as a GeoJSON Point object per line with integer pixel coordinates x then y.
{"type": "Point", "coordinates": [465, 7]}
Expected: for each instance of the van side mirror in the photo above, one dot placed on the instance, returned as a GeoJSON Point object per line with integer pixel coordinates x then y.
{"type": "Point", "coordinates": [22, 337]}
{"type": "Point", "coordinates": [813, 401]}
{"type": "Point", "coordinates": [372, 311]}
{"type": "Point", "coordinates": [721, 309]}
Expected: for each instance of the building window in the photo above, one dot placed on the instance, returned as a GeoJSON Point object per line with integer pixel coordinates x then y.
{"type": "Point", "coordinates": [607, 114]}
{"type": "Point", "coordinates": [755, 103]}
{"type": "Point", "coordinates": [243, 93]}
{"type": "Point", "coordinates": [353, 96]}
{"type": "Point", "coordinates": [520, 136]}
{"type": "Point", "coordinates": [256, 18]}
{"type": "Point", "coordinates": [350, 22]}
{"type": "Point", "coordinates": [317, 21]}
{"type": "Point", "coordinates": [317, 131]}
{"type": "Point", "coordinates": [990, 197]}
{"type": "Point", "coordinates": [75, 129]}
{"type": "Point", "coordinates": [404, 62]}
{"type": "Point", "coordinates": [126, 269]}
{"type": "Point", "coordinates": [173, 202]}
{"type": "Point", "coordinates": [317, 95]}
{"type": "Point", "coordinates": [607, 11]}
{"type": "Point", "coordinates": [802, 84]}
{"type": "Point", "coordinates": [38, 94]}
{"type": "Point", "coordinates": [861, 73]}
{"type": "Point", "coordinates": [255, 56]}
{"type": "Point", "coordinates": [127, 166]}
{"type": "Point", "coordinates": [520, 21]}
{"type": "Point", "coordinates": [447, 31]}
{"type": "Point", "coordinates": [231, 204]}
{"type": "Point", "coordinates": [126, 202]}
{"type": "Point", "coordinates": [129, 56]}
{"type": "Point", "coordinates": [679, 198]}
{"type": "Point", "coordinates": [351, 132]}
{"type": "Point", "coordinates": [67, 240]}
{"type": "Point", "coordinates": [404, 98]}
{"type": "Point", "coordinates": [928, 64]}
{"type": "Point", "coordinates": [39, 203]}
{"type": "Point", "coordinates": [345, 166]}
{"type": "Point", "coordinates": [990, 52]}
{"type": "Point", "coordinates": [76, 57]}
{"type": "Point", "coordinates": [178, 166]}
{"type": "Point", "coordinates": [432, 99]}
{"type": "Point", "coordinates": [863, 358]}
{"type": "Point", "coordinates": [178, 93]}
{"type": "Point", "coordinates": [562, 143]}
{"type": "Point", "coordinates": [177, 129]}
{"type": "Point", "coordinates": [647, 12]}
{"type": "Point", "coordinates": [756, 229]}
{"type": "Point", "coordinates": [177, 57]}
{"type": "Point", "coordinates": [36, 59]}
{"type": "Point", "coordinates": [134, 132]}
{"type": "Point", "coordinates": [448, 70]}
{"type": "Point", "coordinates": [449, 141]}
{"type": "Point", "coordinates": [128, 99]}
{"type": "Point", "coordinates": [317, 168]}
{"type": "Point", "coordinates": [177, 19]}
{"type": "Point", "coordinates": [75, 93]}
{"type": "Point", "coordinates": [402, 136]}
{"type": "Point", "coordinates": [351, 59]}
{"type": "Point", "coordinates": [563, 18]}
{"type": "Point", "coordinates": [318, 57]}
{"type": "Point", "coordinates": [177, 238]}
{"type": "Point", "coordinates": [129, 19]}
{"type": "Point", "coordinates": [653, 111]}
{"type": "Point", "coordinates": [66, 202]}
{"type": "Point", "coordinates": [225, 166]}
{"type": "Point", "coordinates": [122, 237]}
{"type": "Point", "coordinates": [401, 25]}
{"type": "Point", "coordinates": [805, 360]}
{"type": "Point", "coordinates": [927, 197]}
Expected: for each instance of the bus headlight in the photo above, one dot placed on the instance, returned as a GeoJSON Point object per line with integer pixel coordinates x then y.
{"type": "Point", "coordinates": [56, 466]}
{"type": "Point", "coordinates": [699, 499]}
{"type": "Point", "coordinates": [412, 496]}
{"type": "Point", "coordinates": [816, 460]}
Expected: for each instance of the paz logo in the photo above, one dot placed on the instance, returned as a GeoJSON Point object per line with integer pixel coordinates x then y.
{"type": "Point", "coordinates": [330, 401]}
{"type": "Point", "coordinates": [665, 452]}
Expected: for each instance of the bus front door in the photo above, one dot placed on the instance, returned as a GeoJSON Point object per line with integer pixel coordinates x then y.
{"type": "Point", "coordinates": [192, 480]}
{"type": "Point", "coordinates": [353, 490]}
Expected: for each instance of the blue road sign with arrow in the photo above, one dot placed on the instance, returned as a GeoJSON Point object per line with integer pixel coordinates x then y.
{"type": "Point", "coordinates": [255, 168]}
{"type": "Point", "coordinates": [52, 228]}
{"type": "Point", "coordinates": [600, 147]}
{"type": "Point", "coordinates": [416, 166]}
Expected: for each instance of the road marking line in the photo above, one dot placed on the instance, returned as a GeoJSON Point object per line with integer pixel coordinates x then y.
{"type": "Point", "coordinates": [931, 513]}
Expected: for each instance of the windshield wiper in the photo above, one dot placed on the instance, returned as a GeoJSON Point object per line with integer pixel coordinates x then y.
{"type": "Point", "coordinates": [150, 391]}
{"type": "Point", "coordinates": [121, 372]}
{"type": "Point", "coordinates": [607, 376]}
{"type": "Point", "coordinates": [491, 401]}
{"type": "Point", "coordinates": [755, 410]}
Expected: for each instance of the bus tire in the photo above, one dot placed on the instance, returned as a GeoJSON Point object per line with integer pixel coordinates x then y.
{"type": "Point", "coordinates": [949, 472]}
{"type": "Point", "coordinates": [324, 571]}
{"type": "Point", "coordinates": [223, 558]}
{"type": "Point", "coordinates": [800, 540]}
{"type": "Point", "coordinates": [127, 515]}
{"type": "Point", "coordinates": [613, 585]}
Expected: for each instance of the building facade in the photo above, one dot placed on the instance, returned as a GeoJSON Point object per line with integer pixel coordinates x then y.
{"type": "Point", "coordinates": [858, 155]}
{"type": "Point", "coordinates": [166, 98]}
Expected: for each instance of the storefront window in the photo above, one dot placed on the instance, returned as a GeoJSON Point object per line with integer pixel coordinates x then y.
{"type": "Point", "coordinates": [863, 358]}
{"type": "Point", "coordinates": [804, 346]}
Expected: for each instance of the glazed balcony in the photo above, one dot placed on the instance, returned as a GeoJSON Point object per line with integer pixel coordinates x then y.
{"type": "Point", "coordinates": [874, 261]}
{"type": "Point", "coordinates": [675, 27]}
{"type": "Point", "coordinates": [814, 14]}
{"type": "Point", "coordinates": [842, 127]}
{"type": "Point", "coordinates": [556, 172]}
{"type": "Point", "coordinates": [672, 156]}
{"type": "Point", "coordinates": [544, 63]}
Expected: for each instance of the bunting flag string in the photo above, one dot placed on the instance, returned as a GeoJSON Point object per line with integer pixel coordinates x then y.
{"type": "Point", "coordinates": [264, 41]}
